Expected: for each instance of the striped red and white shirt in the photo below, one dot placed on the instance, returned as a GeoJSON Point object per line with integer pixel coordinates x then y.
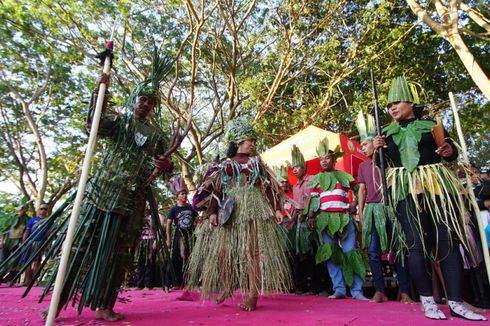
{"type": "Point", "coordinates": [336, 200]}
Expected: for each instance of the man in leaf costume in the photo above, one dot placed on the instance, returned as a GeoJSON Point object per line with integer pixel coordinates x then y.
{"type": "Point", "coordinates": [376, 217]}
{"type": "Point", "coordinates": [112, 212]}
{"type": "Point", "coordinates": [307, 275]}
{"type": "Point", "coordinates": [329, 205]}
{"type": "Point", "coordinates": [428, 199]}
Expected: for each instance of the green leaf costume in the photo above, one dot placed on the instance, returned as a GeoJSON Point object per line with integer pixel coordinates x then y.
{"type": "Point", "coordinates": [430, 186]}
{"type": "Point", "coordinates": [335, 225]}
{"type": "Point", "coordinates": [110, 218]}
{"type": "Point", "coordinates": [407, 140]}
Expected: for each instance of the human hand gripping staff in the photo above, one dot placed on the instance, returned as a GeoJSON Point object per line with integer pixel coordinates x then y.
{"type": "Point", "coordinates": [115, 199]}
{"type": "Point", "coordinates": [53, 308]}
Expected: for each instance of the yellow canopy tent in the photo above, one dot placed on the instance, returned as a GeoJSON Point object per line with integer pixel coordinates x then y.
{"type": "Point", "coordinates": [307, 141]}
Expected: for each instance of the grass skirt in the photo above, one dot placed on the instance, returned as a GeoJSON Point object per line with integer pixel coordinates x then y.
{"type": "Point", "coordinates": [204, 235]}
{"type": "Point", "coordinates": [433, 188]}
{"type": "Point", "coordinates": [247, 254]}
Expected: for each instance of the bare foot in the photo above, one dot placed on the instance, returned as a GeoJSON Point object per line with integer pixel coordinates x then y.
{"type": "Point", "coordinates": [108, 315]}
{"type": "Point", "coordinates": [222, 298]}
{"type": "Point", "coordinates": [185, 296]}
{"type": "Point", "coordinates": [405, 298]}
{"type": "Point", "coordinates": [249, 305]}
{"type": "Point", "coordinates": [379, 297]}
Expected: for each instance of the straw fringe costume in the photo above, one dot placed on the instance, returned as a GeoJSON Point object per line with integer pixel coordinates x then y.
{"type": "Point", "coordinates": [208, 181]}
{"type": "Point", "coordinates": [250, 235]}
{"type": "Point", "coordinates": [203, 234]}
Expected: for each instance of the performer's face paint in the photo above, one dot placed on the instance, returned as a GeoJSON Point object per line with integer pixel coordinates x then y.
{"type": "Point", "coordinates": [246, 146]}
{"type": "Point", "coordinates": [327, 163]}
{"type": "Point", "coordinates": [401, 110]}
{"type": "Point", "coordinates": [367, 147]}
{"type": "Point", "coordinates": [143, 106]}
{"type": "Point", "coordinates": [298, 171]}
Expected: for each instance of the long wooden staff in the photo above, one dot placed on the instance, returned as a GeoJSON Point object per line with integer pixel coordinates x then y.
{"type": "Point", "coordinates": [464, 151]}
{"type": "Point", "coordinates": [65, 254]}
{"type": "Point", "coordinates": [378, 132]}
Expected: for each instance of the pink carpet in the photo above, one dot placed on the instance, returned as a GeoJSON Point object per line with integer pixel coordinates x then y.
{"type": "Point", "coordinates": [155, 307]}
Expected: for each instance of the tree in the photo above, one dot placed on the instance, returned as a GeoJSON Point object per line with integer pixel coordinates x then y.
{"type": "Point", "coordinates": [286, 64]}
{"type": "Point", "coordinates": [444, 18]}
{"type": "Point", "coordinates": [35, 104]}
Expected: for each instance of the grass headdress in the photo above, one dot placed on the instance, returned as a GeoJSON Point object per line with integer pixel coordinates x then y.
{"type": "Point", "coordinates": [322, 150]}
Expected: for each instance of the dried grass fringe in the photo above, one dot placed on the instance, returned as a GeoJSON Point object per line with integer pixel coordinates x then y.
{"type": "Point", "coordinates": [432, 183]}
{"type": "Point", "coordinates": [226, 256]}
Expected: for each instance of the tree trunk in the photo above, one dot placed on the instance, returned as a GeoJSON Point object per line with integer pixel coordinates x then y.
{"type": "Point", "coordinates": [43, 162]}
{"type": "Point", "coordinates": [476, 72]}
{"type": "Point", "coordinates": [450, 32]}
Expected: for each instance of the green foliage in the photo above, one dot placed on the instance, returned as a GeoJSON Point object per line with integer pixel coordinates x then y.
{"type": "Point", "coordinates": [327, 180]}
{"type": "Point", "coordinates": [322, 49]}
{"type": "Point", "coordinates": [321, 221]}
{"type": "Point", "coordinates": [328, 251]}
{"type": "Point", "coordinates": [343, 178]}
{"type": "Point", "coordinates": [323, 253]}
{"type": "Point", "coordinates": [353, 264]}
{"type": "Point", "coordinates": [312, 206]}
{"type": "Point", "coordinates": [333, 223]}
{"type": "Point", "coordinates": [6, 220]}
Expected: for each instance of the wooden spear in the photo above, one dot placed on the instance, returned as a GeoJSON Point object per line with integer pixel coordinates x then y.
{"type": "Point", "coordinates": [466, 161]}
{"type": "Point", "coordinates": [65, 254]}
{"type": "Point", "coordinates": [378, 133]}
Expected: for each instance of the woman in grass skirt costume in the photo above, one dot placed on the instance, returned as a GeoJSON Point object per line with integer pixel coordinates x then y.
{"type": "Point", "coordinates": [247, 252]}
{"type": "Point", "coordinates": [428, 199]}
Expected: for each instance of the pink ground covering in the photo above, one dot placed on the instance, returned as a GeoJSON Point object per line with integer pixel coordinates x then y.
{"type": "Point", "coordinates": [154, 307]}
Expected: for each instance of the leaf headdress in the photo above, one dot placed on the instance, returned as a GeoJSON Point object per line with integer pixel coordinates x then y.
{"type": "Point", "coordinates": [297, 157]}
{"type": "Point", "coordinates": [322, 150]}
{"type": "Point", "coordinates": [161, 67]}
{"type": "Point", "coordinates": [365, 127]}
{"type": "Point", "coordinates": [239, 129]}
{"type": "Point", "coordinates": [281, 173]}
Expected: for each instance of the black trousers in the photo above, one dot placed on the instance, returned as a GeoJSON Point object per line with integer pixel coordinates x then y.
{"type": "Point", "coordinates": [434, 235]}
{"type": "Point", "coordinates": [146, 268]}
{"type": "Point", "coordinates": [180, 255]}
